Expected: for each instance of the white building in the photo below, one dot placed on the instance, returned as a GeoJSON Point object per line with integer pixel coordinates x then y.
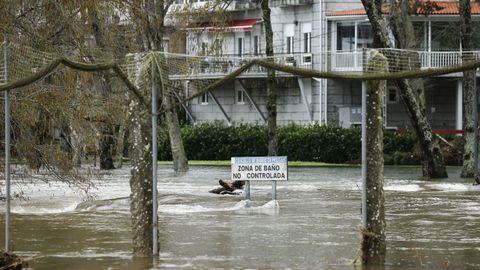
{"type": "Point", "coordinates": [325, 35]}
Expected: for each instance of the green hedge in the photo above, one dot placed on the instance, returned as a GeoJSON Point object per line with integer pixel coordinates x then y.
{"type": "Point", "coordinates": [331, 144]}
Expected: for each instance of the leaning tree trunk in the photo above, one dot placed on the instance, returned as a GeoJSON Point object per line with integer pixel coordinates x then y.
{"type": "Point", "coordinates": [433, 162]}
{"type": "Point", "coordinates": [413, 91]}
{"type": "Point", "coordinates": [469, 92]}
{"type": "Point", "coordinates": [152, 31]}
{"type": "Point", "coordinates": [180, 162]}
{"type": "Point", "coordinates": [141, 198]}
{"type": "Point", "coordinates": [373, 235]}
{"type": "Point", "coordinates": [271, 91]}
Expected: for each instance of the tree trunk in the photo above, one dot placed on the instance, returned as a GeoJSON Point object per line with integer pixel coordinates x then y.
{"type": "Point", "coordinates": [141, 198]}
{"type": "Point", "coordinates": [152, 30]}
{"type": "Point", "coordinates": [106, 143]}
{"type": "Point", "coordinates": [120, 145]}
{"type": "Point", "coordinates": [106, 146]}
{"type": "Point", "coordinates": [271, 89]}
{"type": "Point", "coordinates": [469, 103]}
{"type": "Point", "coordinates": [402, 28]}
{"type": "Point", "coordinates": [78, 142]}
{"type": "Point", "coordinates": [469, 92]}
{"type": "Point", "coordinates": [78, 148]}
{"type": "Point", "coordinates": [432, 158]}
{"type": "Point", "coordinates": [373, 241]}
{"type": "Point", "coordinates": [180, 162]}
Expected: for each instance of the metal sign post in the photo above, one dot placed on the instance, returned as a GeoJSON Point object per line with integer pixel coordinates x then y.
{"type": "Point", "coordinates": [274, 190]}
{"type": "Point", "coordinates": [475, 145]}
{"type": "Point", "coordinates": [247, 190]}
{"type": "Point", "coordinates": [154, 162]}
{"type": "Point", "coordinates": [364, 154]}
{"type": "Point", "coordinates": [7, 150]}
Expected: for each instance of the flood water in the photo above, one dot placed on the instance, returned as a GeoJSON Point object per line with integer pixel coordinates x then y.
{"type": "Point", "coordinates": [313, 225]}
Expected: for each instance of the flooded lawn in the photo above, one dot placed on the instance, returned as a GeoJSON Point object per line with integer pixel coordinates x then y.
{"type": "Point", "coordinates": [313, 225]}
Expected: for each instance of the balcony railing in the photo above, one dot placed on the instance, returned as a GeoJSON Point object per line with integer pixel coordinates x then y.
{"type": "Point", "coordinates": [235, 5]}
{"type": "Point", "coordinates": [284, 3]}
{"type": "Point", "coordinates": [355, 60]}
{"type": "Point", "coordinates": [346, 61]}
{"type": "Point", "coordinates": [210, 67]}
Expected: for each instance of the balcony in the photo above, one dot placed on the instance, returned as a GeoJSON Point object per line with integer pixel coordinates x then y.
{"type": "Point", "coordinates": [286, 3]}
{"type": "Point", "coordinates": [235, 5]}
{"type": "Point", "coordinates": [355, 61]}
{"type": "Point", "coordinates": [209, 67]}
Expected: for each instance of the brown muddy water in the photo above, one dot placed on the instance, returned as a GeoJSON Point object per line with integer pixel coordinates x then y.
{"type": "Point", "coordinates": [313, 225]}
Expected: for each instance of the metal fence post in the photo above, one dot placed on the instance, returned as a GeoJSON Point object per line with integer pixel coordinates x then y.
{"type": "Point", "coordinates": [364, 154]}
{"type": "Point", "coordinates": [7, 150]}
{"type": "Point", "coordinates": [274, 190]}
{"type": "Point", "coordinates": [154, 160]}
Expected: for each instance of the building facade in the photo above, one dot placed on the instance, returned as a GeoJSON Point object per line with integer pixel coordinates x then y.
{"type": "Point", "coordinates": [324, 35]}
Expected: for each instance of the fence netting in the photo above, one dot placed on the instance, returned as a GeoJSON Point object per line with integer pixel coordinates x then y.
{"type": "Point", "coordinates": [175, 70]}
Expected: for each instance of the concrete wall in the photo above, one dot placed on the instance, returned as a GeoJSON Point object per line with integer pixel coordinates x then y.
{"type": "Point", "coordinates": [290, 106]}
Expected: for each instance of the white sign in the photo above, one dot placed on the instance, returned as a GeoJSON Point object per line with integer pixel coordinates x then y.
{"type": "Point", "coordinates": [259, 168]}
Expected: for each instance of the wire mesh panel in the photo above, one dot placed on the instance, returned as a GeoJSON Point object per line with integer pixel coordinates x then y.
{"type": "Point", "coordinates": [200, 71]}
{"type": "Point", "coordinates": [24, 61]}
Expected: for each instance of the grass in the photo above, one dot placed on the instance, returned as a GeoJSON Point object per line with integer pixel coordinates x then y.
{"type": "Point", "coordinates": [290, 163]}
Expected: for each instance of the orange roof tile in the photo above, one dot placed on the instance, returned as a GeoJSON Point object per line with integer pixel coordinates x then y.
{"type": "Point", "coordinates": [442, 8]}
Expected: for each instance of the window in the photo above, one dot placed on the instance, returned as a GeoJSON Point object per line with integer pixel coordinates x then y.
{"type": "Point", "coordinates": [421, 35]}
{"type": "Point", "coordinates": [204, 99]}
{"type": "Point", "coordinates": [354, 36]}
{"type": "Point", "coordinates": [289, 33]}
{"type": "Point", "coordinates": [392, 95]}
{"type": "Point", "coordinates": [444, 37]}
{"type": "Point", "coordinates": [256, 45]}
{"type": "Point", "coordinates": [289, 45]}
{"type": "Point", "coordinates": [240, 46]}
{"type": "Point", "coordinates": [345, 36]}
{"type": "Point", "coordinates": [364, 35]}
{"type": "Point", "coordinates": [240, 96]}
{"type": "Point", "coordinates": [307, 42]}
{"type": "Point", "coordinates": [476, 38]}
{"type": "Point", "coordinates": [307, 37]}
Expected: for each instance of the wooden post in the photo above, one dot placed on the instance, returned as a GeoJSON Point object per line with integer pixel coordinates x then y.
{"type": "Point", "coordinates": [373, 243]}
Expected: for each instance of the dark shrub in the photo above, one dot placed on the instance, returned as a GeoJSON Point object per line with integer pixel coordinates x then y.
{"type": "Point", "coordinates": [331, 144]}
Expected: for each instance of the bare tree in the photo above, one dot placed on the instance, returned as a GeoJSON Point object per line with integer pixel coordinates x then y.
{"type": "Point", "coordinates": [149, 16]}
{"type": "Point", "coordinates": [432, 158]}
